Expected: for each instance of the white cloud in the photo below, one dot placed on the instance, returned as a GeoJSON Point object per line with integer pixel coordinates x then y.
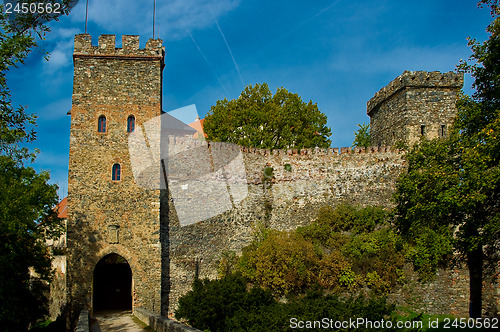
{"type": "Point", "coordinates": [59, 56]}
{"type": "Point", "coordinates": [173, 18]}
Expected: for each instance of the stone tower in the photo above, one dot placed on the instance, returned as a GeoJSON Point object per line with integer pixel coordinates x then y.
{"type": "Point", "coordinates": [114, 226]}
{"type": "Point", "coordinates": [415, 103]}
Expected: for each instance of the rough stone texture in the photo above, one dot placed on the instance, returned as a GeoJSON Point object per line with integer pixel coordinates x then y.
{"type": "Point", "coordinates": [83, 323]}
{"type": "Point", "coordinates": [57, 298]}
{"type": "Point", "coordinates": [412, 100]}
{"type": "Point", "coordinates": [116, 83]}
{"type": "Point", "coordinates": [290, 199]}
{"type": "Point", "coordinates": [161, 324]}
{"type": "Point", "coordinates": [141, 225]}
{"type": "Point", "coordinates": [446, 294]}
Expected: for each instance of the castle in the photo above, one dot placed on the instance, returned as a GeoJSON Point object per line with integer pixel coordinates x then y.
{"type": "Point", "coordinates": [126, 247]}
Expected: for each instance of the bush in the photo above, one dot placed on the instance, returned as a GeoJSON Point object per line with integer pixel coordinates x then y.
{"type": "Point", "coordinates": [226, 305]}
{"type": "Point", "coordinates": [284, 262]}
{"type": "Point", "coordinates": [212, 302]}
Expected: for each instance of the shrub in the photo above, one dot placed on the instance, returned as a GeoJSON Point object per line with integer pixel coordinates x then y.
{"type": "Point", "coordinates": [284, 263]}
{"type": "Point", "coordinates": [212, 302]}
{"type": "Point", "coordinates": [227, 305]}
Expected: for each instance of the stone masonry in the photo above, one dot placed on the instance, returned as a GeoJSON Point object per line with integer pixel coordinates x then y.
{"type": "Point", "coordinates": [107, 216]}
{"type": "Point", "coordinates": [415, 103]}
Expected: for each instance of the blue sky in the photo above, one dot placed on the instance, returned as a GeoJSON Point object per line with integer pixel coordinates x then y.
{"type": "Point", "coordinates": [335, 53]}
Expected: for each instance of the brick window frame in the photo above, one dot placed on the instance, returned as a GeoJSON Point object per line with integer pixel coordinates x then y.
{"type": "Point", "coordinates": [116, 172]}
{"type": "Point", "coordinates": [101, 124]}
{"type": "Point", "coordinates": [130, 123]}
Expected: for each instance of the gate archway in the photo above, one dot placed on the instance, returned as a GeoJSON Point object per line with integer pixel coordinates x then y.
{"type": "Point", "coordinates": [112, 284]}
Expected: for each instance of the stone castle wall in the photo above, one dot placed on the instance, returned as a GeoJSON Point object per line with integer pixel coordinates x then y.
{"type": "Point", "coordinates": [289, 199]}
{"type": "Point", "coordinates": [283, 189]}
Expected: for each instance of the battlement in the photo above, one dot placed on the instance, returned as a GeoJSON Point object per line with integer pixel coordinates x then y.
{"type": "Point", "coordinates": [319, 151]}
{"type": "Point", "coordinates": [415, 79]}
{"type": "Point", "coordinates": [183, 142]}
{"type": "Point", "coordinates": [107, 47]}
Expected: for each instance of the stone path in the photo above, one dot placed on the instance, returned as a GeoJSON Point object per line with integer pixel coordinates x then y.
{"type": "Point", "coordinates": [116, 321]}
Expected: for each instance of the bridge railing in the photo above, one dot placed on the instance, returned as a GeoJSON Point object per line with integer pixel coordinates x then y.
{"type": "Point", "coordinates": [83, 324]}
{"type": "Point", "coordinates": [161, 324]}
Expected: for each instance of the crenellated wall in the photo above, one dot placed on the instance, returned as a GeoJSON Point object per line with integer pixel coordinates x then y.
{"type": "Point", "coordinates": [107, 216]}
{"type": "Point", "coordinates": [288, 199]}
{"type": "Point", "coordinates": [414, 104]}
{"type": "Point", "coordinates": [281, 189]}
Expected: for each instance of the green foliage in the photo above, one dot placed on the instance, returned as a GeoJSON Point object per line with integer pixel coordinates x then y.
{"type": "Point", "coordinates": [379, 257]}
{"type": "Point", "coordinates": [448, 198]}
{"type": "Point", "coordinates": [50, 326]}
{"type": "Point", "coordinates": [17, 38]}
{"type": "Point", "coordinates": [362, 136]}
{"type": "Point", "coordinates": [263, 120]}
{"type": "Point", "coordinates": [228, 261]}
{"type": "Point", "coordinates": [344, 249]}
{"type": "Point", "coordinates": [430, 250]}
{"type": "Point", "coordinates": [284, 263]}
{"type": "Point", "coordinates": [348, 218]}
{"type": "Point", "coordinates": [268, 173]}
{"type": "Point", "coordinates": [26, 200]}
{"type": "Point", "coordinates": [229, 305]}
{"type": "Point", "coordinates": [211, 303]}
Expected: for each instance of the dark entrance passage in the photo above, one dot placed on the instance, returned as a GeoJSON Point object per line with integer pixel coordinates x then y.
{"type": "Point", "coordinates": [112, 284]}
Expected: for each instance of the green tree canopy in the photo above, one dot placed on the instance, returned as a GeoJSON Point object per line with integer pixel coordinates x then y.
{"type": "Point", "coordinates": [26, 198]}
{"type": "Point", "coordinates": [19, 34]}
{"type": "Point", "coordinates": [448, 200]}
{"type": "Point", "coordinates": [263, 120]}
{"type": "Point", "coordinates": [362, 136]}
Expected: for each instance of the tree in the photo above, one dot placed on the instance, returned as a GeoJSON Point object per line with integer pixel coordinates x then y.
{"type": "Point", "coordinates": [362, 136]}
{"type": "Point", "coordinates": [19, 34]}
{"type": "Point", "coordinates": [263, 120]}
{"type": "Point", "coordinates": [26, 199]}
{"type": "Point", "coordinates": [449, 198]}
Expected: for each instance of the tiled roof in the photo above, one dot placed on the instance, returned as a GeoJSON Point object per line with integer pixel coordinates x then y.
{"type": "Point", "coordinates": [198, 126]}
{"type": "Point", "coordinates": [61, 208]}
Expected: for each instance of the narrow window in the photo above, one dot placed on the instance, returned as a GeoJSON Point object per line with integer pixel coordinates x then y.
{"type": "Point", "coordinates": [101, 124]}
{"type": "Point", "coordinates": [116, 172]}
{"type": "Point", "coordinates": [422, 130]}
{"type": "Point", "coordinates": [130, 124]}
{"type": "Point", "coordinates": [442, 130]}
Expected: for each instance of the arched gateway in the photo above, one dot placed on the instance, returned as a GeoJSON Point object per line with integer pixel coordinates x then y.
{"type": "Point", "coordinates": [107, 211]}
{"type": "Point", "coordinates": [112, 284]}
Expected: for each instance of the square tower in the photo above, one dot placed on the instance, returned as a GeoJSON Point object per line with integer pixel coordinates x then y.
{"type": "Point", "coordinates": [113, 224]}
{"type": "Point", "coordinates": [415, 103]}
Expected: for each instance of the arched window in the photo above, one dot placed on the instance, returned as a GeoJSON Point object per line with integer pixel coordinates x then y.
{"type": "Point", "coordinates": [115, 176]}
{"type": "Point", "coordinates": [130, 124]}
{"type": "Point", "coordinates": [101, 124]}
